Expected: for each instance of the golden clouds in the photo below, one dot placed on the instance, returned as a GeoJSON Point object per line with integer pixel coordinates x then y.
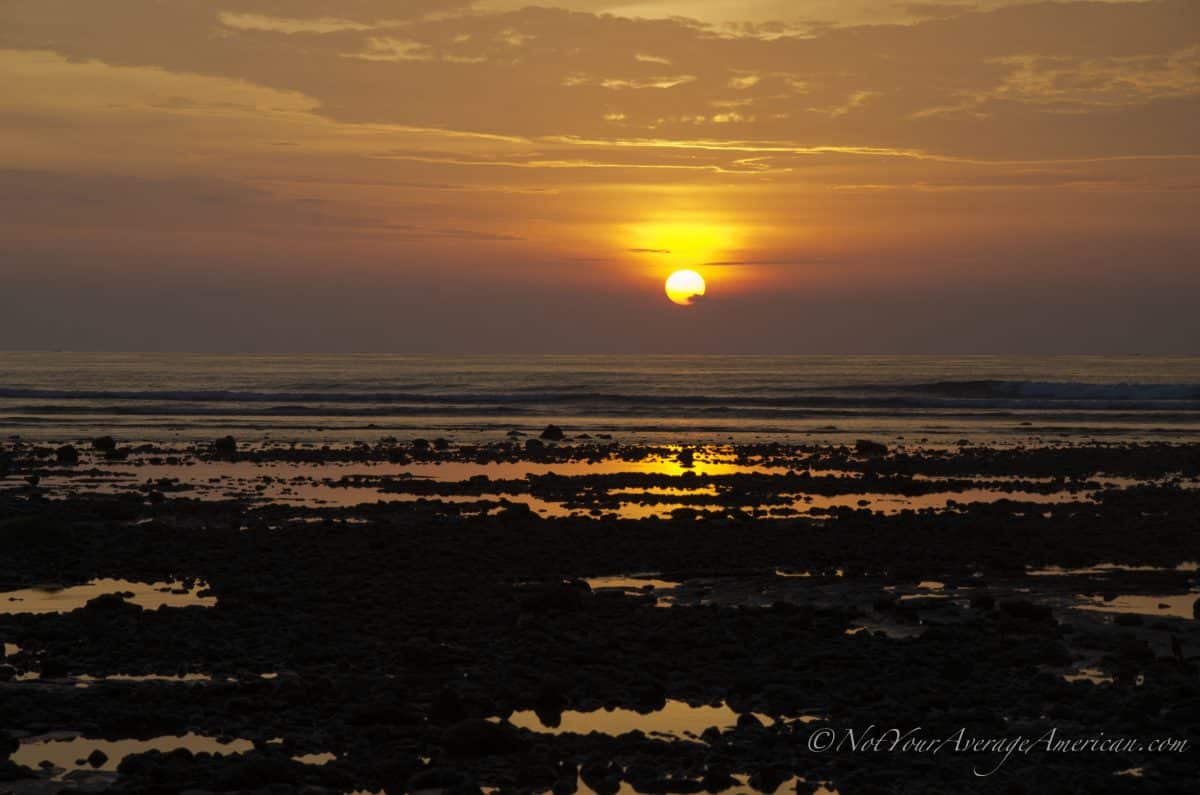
{"type": "Point", "coordinates": [450, 131]}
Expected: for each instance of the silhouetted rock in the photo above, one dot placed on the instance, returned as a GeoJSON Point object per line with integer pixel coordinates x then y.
{"type": "Point", "coordinates": [109, 601]}
{"type": "Point", "coordinates": [447, 708]}
{"type": "Point", "coordinates": [446, 780]}
{"type": "Point", "coordinates": [11, 771]}
{"type": "Point", "coordinates": [983, 601]}
{"type": "Point", "coordinates": [1026, 610]}
{"type": "Point", "coordinates": [8, 745]}
{"type": "Point", "coordinates": [97, 758]}
{"type": "Point", "coordinates": [53, 668]}
{"type": "Point", "coordinates": [393, 774]}
{"type": "Point", "coordinates": [67, 454]}
{"type": "Point", "coordinates": [480, 737]}
{"type": "Point", "coordinates": [604, 779]}
{"type": "Point", "coordinates": [717, 779]}
{"type": "Point", "coordinates": [867, 447]}
{"type": "Point", "coordinates": [566, 595]}
{"type": "Point", "coordinates": [105, 444]}
{"type": "Point", "coordinates": [768, 779]}
{"type": "Point", "coordinates": [225, 447]}
{"type": "Point", "coordinates": [553, 433]}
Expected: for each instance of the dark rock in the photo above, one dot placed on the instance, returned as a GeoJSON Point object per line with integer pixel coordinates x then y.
{"type": "Point", "coordinates": [446, 780]}
{"type": "Point", "coordinates": [568, 785]}
{"type": "Point", "coordinates": [534, 445]}
{"type": "Point", "coordinates": [514, 511]}
{"type": "Point", "coordinates": [551, 699]}
{"type": "Point", "coordinates": [67, 454]}
{"type": "Point", "coordinates": [768, 779]}
{"type": "Point", "coordinates": [110, 601]}
{"type": "Point", "coordinates": [105, 444]}
{"type": "Point", "coordinates": [665, 785]}
{"type": "Point", "coordinates": [256, 770]}
{"type": "Point", "coordinates": [567, 595]}
{"type": "Point", "coordinates": [420, 444]}
{"type": "Point", "coordinates": [97, 758]}
{"type": "Point", "coordinates": [441, 444]}
{"type": "Point", "coordinates": [718, 779]}
{"type": "Point", "coordinates": [1026, 610]}
{"type": "Point", "coordinates": [748, 721]}
{"type": "Point", "coordinates": [553, 433]}
{"type": "Point", "coordinates": [384, 715]}
{"type": "Point", "coordinates": [8, 745]}
{"type": "Point", "coordinates": [983, 601]}
{"type": "Point", "coordinates": [867, 447]}
{"type": "Point", "coordinates": [480, 737]}
{"type": "Point", "coordinates": [393, 775]}
{"type": "Point", "coordinates": [1127, 620]}
{"type": "Point", "coordinates": [53, 668]}
{"type": "Point", "coordinates": [11, 771]}
{"type": "Point", "coordinates": [603, 779]}
{"type": "Point", "coordinates": [225, 447]}
{"type": "Point", "coordinates": [447, 708]}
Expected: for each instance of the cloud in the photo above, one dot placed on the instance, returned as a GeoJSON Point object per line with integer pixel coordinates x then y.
{"type": "Point", "coordinates": [936, 10]}
{"type": "Point", "coordinates": [649, 250]}
{"type": "Point", "coordinates": [990, 83]}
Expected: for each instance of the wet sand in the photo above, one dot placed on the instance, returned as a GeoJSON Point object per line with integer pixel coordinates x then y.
{"type": "Point", "coordinates": [581, 615]}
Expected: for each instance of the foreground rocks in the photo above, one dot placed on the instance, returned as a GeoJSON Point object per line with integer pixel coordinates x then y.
{"type": "Point", "coordinates": [406, 638]}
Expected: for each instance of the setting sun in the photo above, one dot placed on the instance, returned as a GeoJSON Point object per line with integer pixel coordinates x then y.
{"type": "Point", "coordinates": [684, 287]}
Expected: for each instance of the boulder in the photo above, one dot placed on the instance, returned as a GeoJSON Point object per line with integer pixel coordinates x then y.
{"type": "Point", "coordinates": [109, 601]}
{"type": "Point", "coordinates": [867, 447]}
{"type": "Point", "coordinates": [553, 433]}
{"type": "Point", "coordinates": [67, 455]}
{"type": "Point", "coordinates": [603, 779]}
{"type": "Point", "coordinates": [105, 444]}
{"type": "Point", "coordinates": [225, 447]}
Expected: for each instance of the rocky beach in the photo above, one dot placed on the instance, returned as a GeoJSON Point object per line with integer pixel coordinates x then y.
{"type": "Point", "coordinates": [556, 612]}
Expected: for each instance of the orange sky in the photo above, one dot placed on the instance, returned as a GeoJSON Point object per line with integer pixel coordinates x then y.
{"type": "Point", "coordinates": [400, 175]}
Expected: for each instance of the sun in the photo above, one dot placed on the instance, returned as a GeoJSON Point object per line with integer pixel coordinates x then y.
{"type": "Point", "coordinates": [684, 287]}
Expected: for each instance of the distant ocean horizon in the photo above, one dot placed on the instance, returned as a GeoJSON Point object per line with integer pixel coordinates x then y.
{"type": "Point", "coordinates": [158, 397]}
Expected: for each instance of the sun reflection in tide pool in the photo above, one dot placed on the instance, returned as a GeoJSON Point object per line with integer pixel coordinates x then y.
{"type": "Point", "coordinates": [677, 719]}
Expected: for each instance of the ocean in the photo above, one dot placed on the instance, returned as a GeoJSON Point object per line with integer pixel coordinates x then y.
{"type": "Point", "coordinates": [934, 400]}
